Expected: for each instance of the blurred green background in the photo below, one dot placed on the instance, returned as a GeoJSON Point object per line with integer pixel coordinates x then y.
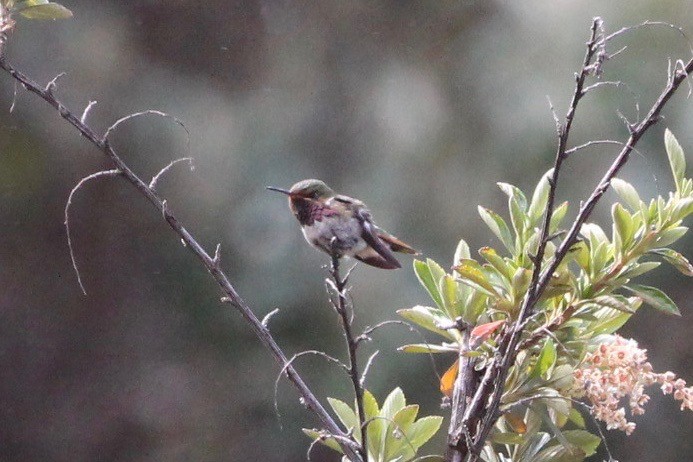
{"type": "Point", "coordinates": [416, 107]}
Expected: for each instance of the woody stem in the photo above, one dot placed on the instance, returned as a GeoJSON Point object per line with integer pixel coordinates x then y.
{"type": "Point", "coordinates": [341, 306]}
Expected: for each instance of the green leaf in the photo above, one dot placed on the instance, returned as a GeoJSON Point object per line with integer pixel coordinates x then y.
{"type": "Point", "coordinates": [427, 317]}
{"type": "Point", "coordinates": [346, 415]}
{"type": "Point", "coordinates": [423, 272]}
{"type": "Point", "coordinates": [472, 274]}
{"type": "Point", "coordinates": [576, 418]}
{"type": "Point", "coordinates": [670, 236]}
{"type": "Point", "coordinates": [329, 442]}
{"type": "Point", "coordinates": [627, 193]}
{"type": "Point", "coordinates": [677, 160]}
{"type": "Point", "coordinates": [448, 289]}
{"type": "Point", "coordinates": [376, 427]}
{"type": "Point", "coordinates": [498, 226]}
{"type": "Point", "coordinates": [497, 262]}
{"type": "Point", "coordinates": [677, 260]}
{"type": "Point", "coordinates": [545, 361]}
{"type": "Point", "coordinates": [583, 440]}
{"type": "Point", "coordinates": [558, 216]}
{"type": "Point", "coordinates": [423, 430]}
{"type": "Point", "coordinates": [623, 228]}
{"type": "Point", "coordinates": [462, 251]}
{"type": "Point", "coordinates": [517, 203]}
{"type": "Point", "coordinates": [655, 298]}
{"type": "Point", "coordinates": [637, 269]}
{"type": "Point", "coordinates": [682, 208]}
{"type": "Point", "coordinates": [29, 3]}
{"type": "Point", "coordinates": [370, 405]}
{"type": "Point", "coordinates": [393, 403]}
{"type": "Point", "coordinates": [617, 302]}
{"type": "Point", "coordinates": [47, 11]}
{"type": "Point", "coordinates": [540, 198]}
{"type": "Point", "coordinates": [427, 348]}
{"type": "Point", "coordinates": [397, 439]}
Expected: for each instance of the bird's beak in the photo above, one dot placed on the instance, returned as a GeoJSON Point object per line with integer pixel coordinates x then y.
{"type": "Point", "coordinates": [283, 191]}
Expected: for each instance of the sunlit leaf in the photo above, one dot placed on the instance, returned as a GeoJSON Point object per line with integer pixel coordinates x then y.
{"type": "Point", "coordinates": [655, 298]}
{"type": "Point", "coordinates": [471, 274]}
{"type": "Point", "coordinates": [677, 260]}
{"type": "Point", "coordinates": [393, 403]}
{"type": "Point", "coordinates": [617, 302]}
{"type": "Point", "coordinates": [447, 381]}
{"type": "Point", "coordinates": [670, 236]}
{"type": "Point", "coordinates": [627, 193]}
{"type": "Point", "coordinates": [427, 348]}
{"type": "Point", "coordinates": [329, 442]}
{"type": "Point", "coordinates": [46, 11]}
{"type": "Point", "coordinates": [498, 226]}
{"type": "Point", "coordinates": [677, 159]}
{"type": "Point", "coordinates": [423, 272]}
{"type": "Point", "coordinates": [623, 229]}
{"type": "Point", "coordinates": [497, 262]}
{"type": "Point", "coordinates": [345, 413]}
{"type": "Point", "coordinates": [558, 216]}
{"type": "Point", "coordinates": [423, 430]}
{"type": "Point", "coordinates": [427, 317]}
{"type": "Point", "coordinates": [462, 251]}
{"type": "Point", "coordinates": [540, 198]}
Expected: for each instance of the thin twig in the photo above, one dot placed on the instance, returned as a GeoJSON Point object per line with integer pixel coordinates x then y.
{"type": "Point", "coordinates": [93, 176]}
{"type": "Point", "coordinates": [230, 293]}
{"type": "Point", "coordinates": [290, 362]}
{"type": "Point", "coordinates": [367, 367]}
{"type": "Point", "coordinates": [155, 179]}
{"type": "Point", "coordinates": [87, 109]}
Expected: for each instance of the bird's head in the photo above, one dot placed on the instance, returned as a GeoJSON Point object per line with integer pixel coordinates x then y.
{"type": "Point", "coordinates": [306, 189]}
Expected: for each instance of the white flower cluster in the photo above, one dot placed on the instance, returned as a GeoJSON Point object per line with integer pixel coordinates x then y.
{"type": "Point", "coordinates": [619, 369]}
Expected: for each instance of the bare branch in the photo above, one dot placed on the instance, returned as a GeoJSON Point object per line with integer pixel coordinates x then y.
{"type": "Point", "coordinates": [289, 364]}
{"type": "Point", "coordinates": [268, 316]}
{"type": "Point", "coordinates": [50, 87]}
{"type": "Point", "coordinates": [591, 143]}
{"type": "Point", "coordinates": [602, 84]}
{"type": "Point", "coordinates": [341, 307]}
{"type": "Point", "coordinates": [122, 120]}
{"type": "Point", "coordinates": [82, 182]}
{"type": "Point", "coordinates": [163, 171]}
{"type": "Point", "coordinates": [367, 367]}
{"type": "Point", "coordinates": [14, 98]}
{"type": "Point", "coordinates": [85, 114]}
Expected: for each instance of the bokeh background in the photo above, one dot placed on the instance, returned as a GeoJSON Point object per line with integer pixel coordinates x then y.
{"type": "Point", "coordinates": [416, 107]}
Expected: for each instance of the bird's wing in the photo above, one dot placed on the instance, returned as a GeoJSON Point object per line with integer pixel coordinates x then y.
{"type": "Point", "coordinates": [372, 238]}
{"type": "Point", "coordinates": [395, 244]}
{"type": "Point", "coordinates": [373, 258]}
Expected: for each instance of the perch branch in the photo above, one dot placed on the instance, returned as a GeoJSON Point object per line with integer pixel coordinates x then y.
{"type": "Point", "coordinates": [341, 306]}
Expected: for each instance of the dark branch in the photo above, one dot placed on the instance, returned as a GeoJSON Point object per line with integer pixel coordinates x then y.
{"type": "Point", "coordinates": [341, 306]}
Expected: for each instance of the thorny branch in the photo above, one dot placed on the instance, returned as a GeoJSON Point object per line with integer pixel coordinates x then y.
{"type": "Point", "coordinates": [102, 143]}
{"type": "Point", "coordinates": [341, 306]}
{"type": "Point", "coordinates": [481, 413]}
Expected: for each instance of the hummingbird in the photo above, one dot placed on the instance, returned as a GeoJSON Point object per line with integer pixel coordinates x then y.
{"type": "Point", "coordinates": [341, 225]}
